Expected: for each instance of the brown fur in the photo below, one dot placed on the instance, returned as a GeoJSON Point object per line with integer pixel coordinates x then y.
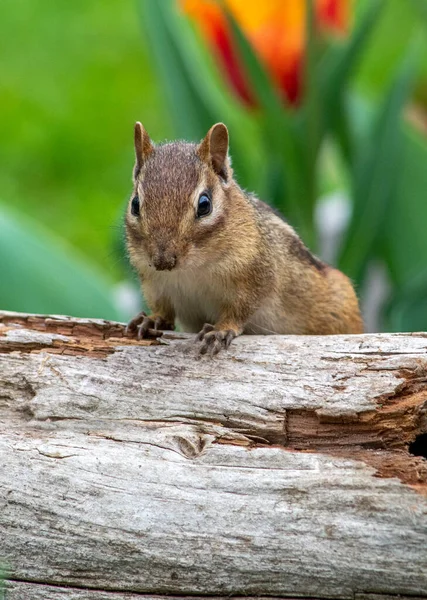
{"type": "Point", "coordinates": [242, 268]}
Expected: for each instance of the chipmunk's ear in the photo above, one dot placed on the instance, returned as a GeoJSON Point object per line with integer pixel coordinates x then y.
{"type": "Point", "coordinates": [214, 150]}
{"type": "Point", "coordinates": [143, 147]}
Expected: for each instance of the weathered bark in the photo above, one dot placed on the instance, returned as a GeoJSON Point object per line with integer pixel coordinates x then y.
{"type": "Point", "coordinates": [280, 468]}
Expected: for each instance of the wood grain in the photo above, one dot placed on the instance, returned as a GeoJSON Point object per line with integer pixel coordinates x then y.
{"type": "Point", "coordinates": [280, 468]}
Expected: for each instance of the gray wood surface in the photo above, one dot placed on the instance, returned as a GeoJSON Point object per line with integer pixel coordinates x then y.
{"type": "Point", "coordinates": [37, 591]}
{"type": "Point", "coordinates": [280, 468]}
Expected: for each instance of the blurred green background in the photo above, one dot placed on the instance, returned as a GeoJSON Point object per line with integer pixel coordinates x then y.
{"type": "Point", "coordinates": [347, 166]}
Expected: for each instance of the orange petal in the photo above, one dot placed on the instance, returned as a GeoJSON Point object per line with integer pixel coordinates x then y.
{"type": "Point", "coordinates": [275, 28]}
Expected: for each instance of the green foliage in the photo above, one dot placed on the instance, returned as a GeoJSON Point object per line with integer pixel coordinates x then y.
{"type": "Point", "coordinates": [333, 78]}
{"type": "Point", "coordinates": [43, 276]}
{"type": "Point", "coordinates": [404, 239]}
{"type": "Point", "coordinates": [400, 23]}
{"type": "Point", "coordinates": [375, 177]}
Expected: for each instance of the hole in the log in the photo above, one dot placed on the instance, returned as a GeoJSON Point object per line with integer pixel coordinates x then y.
{"type": "Point", "coordinates": [419, 446]}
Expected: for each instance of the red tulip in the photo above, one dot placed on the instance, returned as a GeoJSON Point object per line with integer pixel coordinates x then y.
{"type": "Point", "coordinates": [277, 32]}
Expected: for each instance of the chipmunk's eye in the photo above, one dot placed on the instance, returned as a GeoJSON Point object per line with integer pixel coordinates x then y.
{"type": "Point", "coordinates": [204, 207]}
{"type": "Point", "coordinates": [134, 208]}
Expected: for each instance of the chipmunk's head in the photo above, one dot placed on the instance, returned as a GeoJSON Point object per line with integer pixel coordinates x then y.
{"type": "Point", "coordinates": [179, 202]}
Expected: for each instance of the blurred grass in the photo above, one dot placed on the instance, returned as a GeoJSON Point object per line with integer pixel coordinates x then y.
{"type": "Point", "coordinates": [74, 78]}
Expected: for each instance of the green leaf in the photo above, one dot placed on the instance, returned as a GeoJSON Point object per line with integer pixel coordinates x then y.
{"type": "Point", "coordinates": [190, 115]}
{"type": "Point", "coordinates": [39, 274]}
{"type": "Point", "coordinates": [404, 228]}
{"type": "Point", "coordinates": [398, 25]}
{"type": "Point", "coordinates": [310, 120]}
{"type": "Point", "coordinates": [420, 7]}
{"type": "Point", "coordinates": [195, 63]}
{"type": "Point", "coordinates": [334, 73]}
{"type": "Point", "coordinates": [407, 310]}
{"type": "Point", "coordinates": [375, 178]}
{"type": "Point", "coordinates": [404, 246]}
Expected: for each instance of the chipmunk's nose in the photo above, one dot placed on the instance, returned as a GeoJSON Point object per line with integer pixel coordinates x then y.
{"type": "Point", "coordinates": [164, 261]}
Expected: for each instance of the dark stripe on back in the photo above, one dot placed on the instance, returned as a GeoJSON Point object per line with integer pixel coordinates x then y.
{"type": "Point", "coordinates": [297, 248]}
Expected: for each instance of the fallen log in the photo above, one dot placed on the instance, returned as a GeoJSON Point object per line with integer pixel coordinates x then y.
{"type": "Point", "coordinates": [287, 466]}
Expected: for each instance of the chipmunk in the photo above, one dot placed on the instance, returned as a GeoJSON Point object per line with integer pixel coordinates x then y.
{"type": "Point", "coordinates": [218, 260]}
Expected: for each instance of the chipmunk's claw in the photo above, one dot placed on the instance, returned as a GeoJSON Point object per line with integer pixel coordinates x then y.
{"type": "Point", "coordinates": [215, 341]}
{"type": "Point", "coordinates": [147, 327]}
{"type": "Point", "coordinates": [207, 327]}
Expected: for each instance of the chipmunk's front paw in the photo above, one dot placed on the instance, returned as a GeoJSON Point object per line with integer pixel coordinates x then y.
{"type": "Point", "coordinates": [148, 326]}
{"type": "Point", "coordinates": [215, 340]}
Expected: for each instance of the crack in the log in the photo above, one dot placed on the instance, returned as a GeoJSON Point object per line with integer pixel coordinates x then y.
{"type": "Point", "coordinates": [185, 595]}
{"type": "Point", "coordinates": [380, 437]}
{"type": "Point", "coordinates": [357, 438]}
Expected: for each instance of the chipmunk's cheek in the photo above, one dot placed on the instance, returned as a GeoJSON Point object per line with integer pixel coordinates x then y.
{"type": "Point", "coordinates": [189, 257]}
{"type": "Point", "coordinates": [140, 254]}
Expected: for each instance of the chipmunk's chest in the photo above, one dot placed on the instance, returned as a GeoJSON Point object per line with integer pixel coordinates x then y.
{"type": "Point", "coordinates": [196, 298]}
